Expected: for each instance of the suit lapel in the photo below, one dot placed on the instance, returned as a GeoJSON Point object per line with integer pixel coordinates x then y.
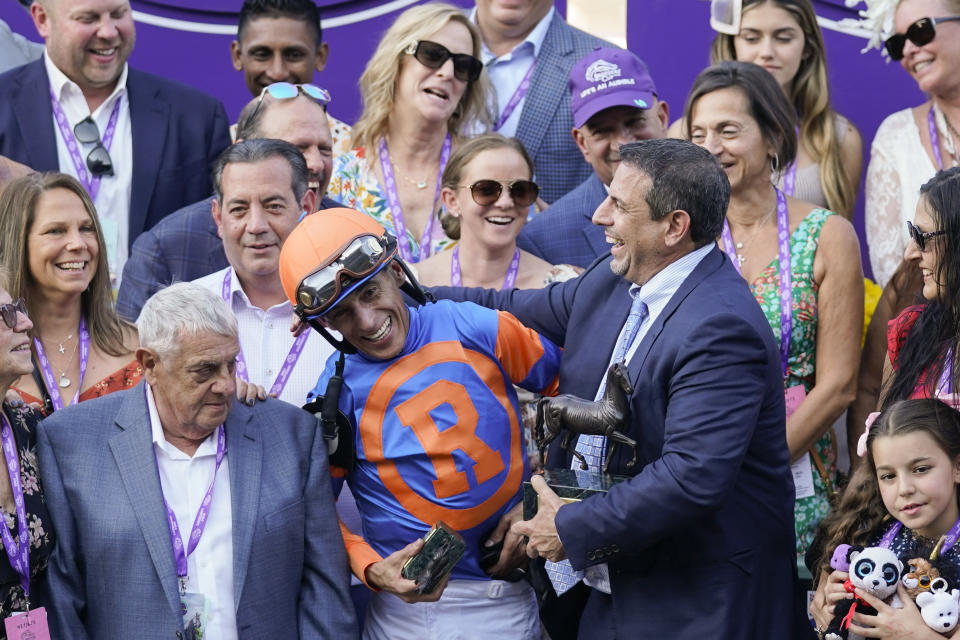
{"type": "Point", "coordinates": [547, 85]}
{"type": "Point", "coordinates": [132, 447]}
{"type": "Point", "coordinates": [35, 118]}
{"type": "Point", "coordinates": [245, 453]}
{"type": "Point", "coordinates": [149, 116]}
{"type": "Point", "coordinates": [594, 234]}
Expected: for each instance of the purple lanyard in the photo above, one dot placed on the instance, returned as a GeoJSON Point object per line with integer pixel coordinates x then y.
{"type": "Point", "coordinates": [288, 363]}
{"type": "Point", "coordinates": [53, 389]}
{"type": "Point", "coordinates": [508, 282]}
{"type": "Point", "coordinates": [790, 177]}
{"type": "Point", "coordinates": [89, 182]}
{"type": "Point", "coordinates": [945, 384]}
{"type": "Point", "coordinates": [515, 99]}
{"type": "Point", "coordinates": [199, 523]}
{"type": "Point", "coordinates": [948, 542]}
{"type": "Point", "coordinates": [19, 554]}
{"type": "Point", "coordinates": [934, 138]}
{"type": "Point", "coordinates": [786, 276]}
{"type": "Point", "coordinates": [393, 199]}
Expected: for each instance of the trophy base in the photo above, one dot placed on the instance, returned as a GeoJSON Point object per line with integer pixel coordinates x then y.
{"type": "Point", "coordinates": [572, 485]}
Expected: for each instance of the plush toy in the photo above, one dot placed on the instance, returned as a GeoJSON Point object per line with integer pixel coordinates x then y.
{"type": "Point", "coordinates": [940, 609]}
{"type": "Point", "coordinates": [922, 576]}
{"type": "Point", "coordinates": [839, 561]}
{"type": "Point", "coordinates": [873, 569]}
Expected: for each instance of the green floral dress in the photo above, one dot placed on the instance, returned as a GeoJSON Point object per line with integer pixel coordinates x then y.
{"type": "Point", "coordinates": [801, 365]}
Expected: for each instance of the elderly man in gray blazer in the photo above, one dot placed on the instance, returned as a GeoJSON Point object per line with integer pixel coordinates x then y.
{"type": "Point", "coordinates": [181, 513]}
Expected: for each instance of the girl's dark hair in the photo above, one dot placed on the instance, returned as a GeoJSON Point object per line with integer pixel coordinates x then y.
{"type": "Point", "coordinates": [861, 515]}
{"type": "Point", "coordinates": [933, 338]}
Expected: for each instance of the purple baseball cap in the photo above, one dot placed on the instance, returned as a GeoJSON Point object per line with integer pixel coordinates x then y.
{"type": "Point", "coordinates": [608, 77]}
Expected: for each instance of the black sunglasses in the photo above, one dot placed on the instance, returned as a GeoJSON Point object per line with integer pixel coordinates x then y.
{"type": "Point", "coordinates": [919, 33]}
{"type": "Point", "coordinates": [10, 310]}
{"type": "Point", "coordinates": [920, 237]}
{"type": "Point", "coordinates": [98, 160]}
{"type": "Point", "coordinates": [486, 192]}
{"type": "Point", "coordinates": [466, 68]}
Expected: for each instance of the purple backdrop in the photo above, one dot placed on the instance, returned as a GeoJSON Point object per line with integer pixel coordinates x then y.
{"type": "Point", "coordinates": [672, 36]}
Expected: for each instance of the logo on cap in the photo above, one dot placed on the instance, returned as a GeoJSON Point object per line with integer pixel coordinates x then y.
{"type": "Point", "coordinates": [602, 71]}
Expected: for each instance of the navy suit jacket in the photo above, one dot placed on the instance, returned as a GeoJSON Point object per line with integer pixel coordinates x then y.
{"type": "Point", "coordinates": [699, 541]}
{"type": "Point", "coordinates": [112, 574]}
{"type": "Point", "coordinates": [546, 119]}
{"type": "Point", "coordinates": [183, 247]}
{"type": "Point", "coordinates": [565, 233]}
{"type": "Point", "coordinates": [177, 134]}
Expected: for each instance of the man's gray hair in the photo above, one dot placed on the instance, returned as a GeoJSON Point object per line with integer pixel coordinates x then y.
{"type": "Point", "coordinates": [258, 150]}
{"type": "Point", "coordinates": [182, 309]}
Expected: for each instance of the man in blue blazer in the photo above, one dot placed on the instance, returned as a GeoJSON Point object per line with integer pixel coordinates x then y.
{"type": "Point", "coordinates": [614, 101]}
{"type": "Point", "coordinates": [176, 131]}
{"type": "Point", "coordinates": [697, 543]}
{"type": "Point", "coordinates": [117, 471]}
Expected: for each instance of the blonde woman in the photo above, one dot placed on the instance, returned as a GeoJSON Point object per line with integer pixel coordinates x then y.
{"type": "Point", "coordinates": [422, 90]}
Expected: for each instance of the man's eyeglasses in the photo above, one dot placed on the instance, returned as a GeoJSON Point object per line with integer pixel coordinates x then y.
{"type": "Point", "coordinates": [919, 33]}
{"type": "Point", "coordinates": [921, 237]}
{"type": "Point", "coordinates": [10, 310]}
{"type": "Point", "coordinates": [486, 192]}
{"type": "Point", "coordinates": [288, 91]}
{"type": "Point", "coordinates": [360, 257]}
{"type": "Point", "coordinates": [432, 55]}
{"type": "Point", "coordinates": [98, 160]}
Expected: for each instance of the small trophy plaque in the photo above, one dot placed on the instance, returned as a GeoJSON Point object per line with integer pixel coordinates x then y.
{"type": "Point", "coordinates": [442, 549]}
{"type": "Point", "coordinates": [574, 416]}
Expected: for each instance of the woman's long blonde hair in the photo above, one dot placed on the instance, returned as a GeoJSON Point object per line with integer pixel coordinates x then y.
{"type": "Point", "coordinates": [18, 204]}
{"type": "Point", "coordinates": [379, 79]}
{"type": "Point", "coordinates": [810, 95]}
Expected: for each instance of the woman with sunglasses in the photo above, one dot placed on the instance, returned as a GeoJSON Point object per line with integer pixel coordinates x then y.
{"type": "Point", "coordinates": [53, 253]}
{"type": "Point", "coordinates": [422, 90]}
{"type": "Point", "coordinates": [802, 263]}
{"type": "Point", "coordinates": [27, 536]}
{"type": "Point", "coordinates": [487, 193]}
{"type": "Point", "coordinates": [913, 144]}
{"type": "Point", "coordinates": [783, 37]}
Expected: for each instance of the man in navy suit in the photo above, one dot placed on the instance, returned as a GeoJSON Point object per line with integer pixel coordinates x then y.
{"type": "Point", "coordinates": [698, 542]}
{"type": "Point", "coordinates": [141, 145]}
{"type": "Point", "coordinates": [614, 102]}
{"type": "Point", "coordinates": [176, 459]}
{"type": "Point", "coordinates": [186, 244]}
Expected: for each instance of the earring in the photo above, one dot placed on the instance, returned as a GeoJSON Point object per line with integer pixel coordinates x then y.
{"type": "Point", "coordinates": [775, 163]}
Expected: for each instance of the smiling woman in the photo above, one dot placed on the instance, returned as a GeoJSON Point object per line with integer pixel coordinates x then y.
{"type": "Point", "coordinates": [52, 251]}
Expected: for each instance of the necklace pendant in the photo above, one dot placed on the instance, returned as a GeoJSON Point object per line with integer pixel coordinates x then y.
{"type": "Point", "coordinates": [740, 259]}
{"type": "Point", "coordinates": [739, 245]}
{"type": "Point", "coordinates": [422, 184]}
{"type": "Point", "coordinates": [64, 381]}
{"type": "Point", "coordinates": [60, 346]}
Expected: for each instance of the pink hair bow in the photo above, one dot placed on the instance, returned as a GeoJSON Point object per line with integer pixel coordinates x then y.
{"type": "Point", "coordinates": [862, 442]}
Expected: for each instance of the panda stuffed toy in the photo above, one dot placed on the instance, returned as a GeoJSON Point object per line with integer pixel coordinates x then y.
{"type": "Point", "coordinates": [876, 570]}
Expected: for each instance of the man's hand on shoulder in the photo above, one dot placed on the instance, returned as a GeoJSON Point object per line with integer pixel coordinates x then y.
{"type": "Point", "coordinates": [385, 575]}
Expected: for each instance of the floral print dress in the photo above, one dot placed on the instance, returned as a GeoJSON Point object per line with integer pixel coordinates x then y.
{"type": "Point", "coordinates": [23, 422]}
{"type": "Point", "coordinates": [801, 365]}
{"type": "Point", "coordinates": [354, 184]}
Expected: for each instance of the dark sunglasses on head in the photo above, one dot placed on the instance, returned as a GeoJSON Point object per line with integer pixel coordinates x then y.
{"type": "Point", "coordinates": [919, 33]}
{"type": "Point", "coordinates": [10, 310]}
{"type": "Point", "coordinates": [466, 68]}
{"type": "Point", "coordinates": [360, 257]}
{"type": "Point", "coordinates": [920, 237]}
{"type": "Point", "coordinates": [486, 192]}
{"type": "Point", "coordinates": [98, 160]}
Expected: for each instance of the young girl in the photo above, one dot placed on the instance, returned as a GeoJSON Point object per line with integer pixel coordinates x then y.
{"type": "Point", "coordinates": [904, 498]}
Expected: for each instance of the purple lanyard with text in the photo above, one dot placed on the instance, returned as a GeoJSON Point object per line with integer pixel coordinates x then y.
{"type": "Point", "coordinates": [18, 551]}
{"type": "Point", "coordinates": [53, 389]}
{"type": "Point", "coordinates": [949, 539]}
{"type": "Point", "coordinates": [288, 363]}
{"type": "Point", "coordinates": [786, 276]}
{"type": "Point", "coordinates": [945, 384]}
{"type": "Point", "coordinates": [515, 99]}
{"type": "Point", "coordinates": [393, 199]}
{"type": "Point", "coordinates": [199, 523]}
{"type": "Point", "coordinates": [934, 138]}
{"type": "Point", "coordinates": [508, 282]}
{"type": "Point", "coordinates": [90, 183]}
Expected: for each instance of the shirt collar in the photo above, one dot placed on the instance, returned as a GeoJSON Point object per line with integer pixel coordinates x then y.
{"type": "Point", "coordinates": [237, 293]}
{"type": "Point", "coordinates": [535, 38]}
{"type": "Point", "coordinates": [661, 287]}
{"type": "Point", "coordinates": [61, 84]}
{"type": "Point", "coordinates": [207, 448]}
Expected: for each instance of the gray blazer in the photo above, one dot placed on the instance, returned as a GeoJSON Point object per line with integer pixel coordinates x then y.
{"type": "Point", "coordinates": [112, 572]}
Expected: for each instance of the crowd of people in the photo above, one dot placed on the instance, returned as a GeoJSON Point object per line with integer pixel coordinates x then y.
{"type": "Point", "coordinates": [252, 373]}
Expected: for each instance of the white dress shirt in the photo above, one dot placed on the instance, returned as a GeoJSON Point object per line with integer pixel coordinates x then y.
{"type": "Point", "coordinates": [507, 71]}
{"type": "Point", "coordinates": [113, 197]}
{"type": "Point", "coordinates": [184, 481]}
{"type": "Point", "coordinates": [265, 339]}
